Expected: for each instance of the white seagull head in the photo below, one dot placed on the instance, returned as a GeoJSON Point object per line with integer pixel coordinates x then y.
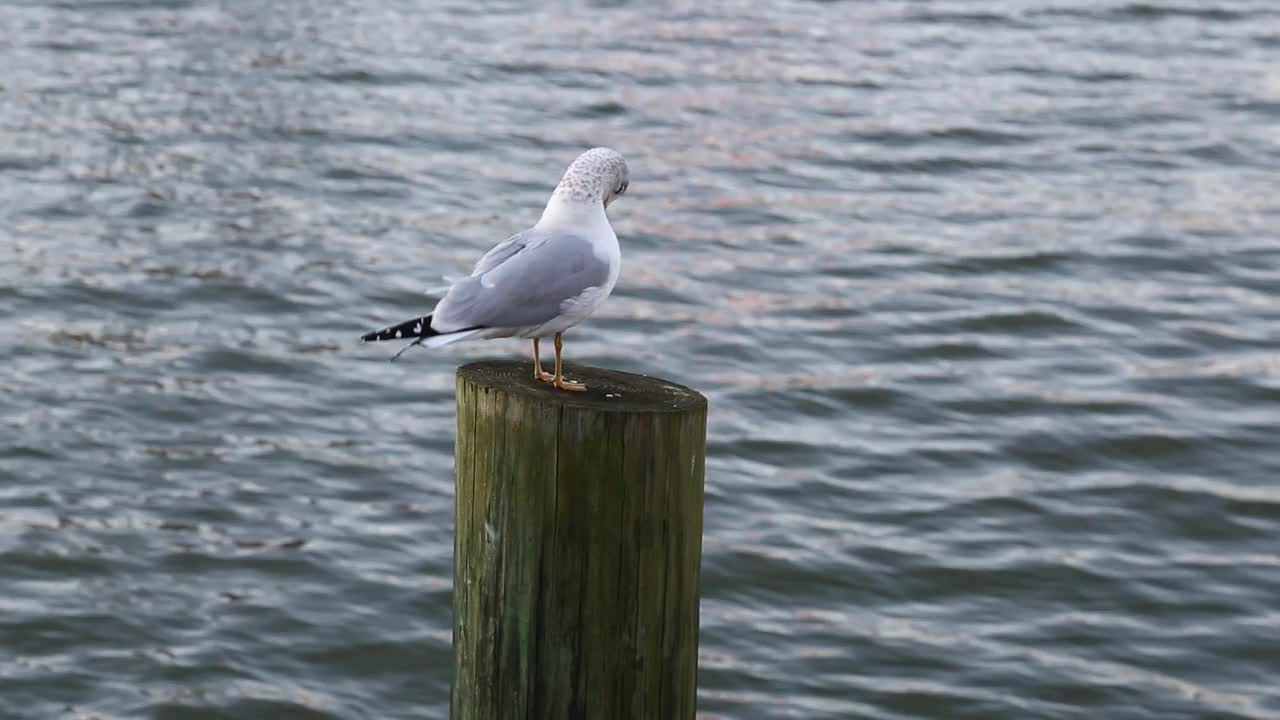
{"type": "Point", "coordinates": [599, 175]}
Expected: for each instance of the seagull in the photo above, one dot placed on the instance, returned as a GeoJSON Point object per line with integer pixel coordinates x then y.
{"type": "Point", "coordinates": [539, 282]}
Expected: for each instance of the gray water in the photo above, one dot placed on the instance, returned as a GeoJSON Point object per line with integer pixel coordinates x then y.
{"type": "Point", "coordinates": [983, 295]}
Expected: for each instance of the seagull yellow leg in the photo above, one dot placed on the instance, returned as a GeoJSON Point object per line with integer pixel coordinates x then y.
{"type": "Point", "coordinates": [538, 372]}
{"type": "Point", "coordinates": [558, 379]}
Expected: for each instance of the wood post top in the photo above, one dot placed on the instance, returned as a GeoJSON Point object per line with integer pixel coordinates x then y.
{"type": "Point", "coordinates": [607, 390]}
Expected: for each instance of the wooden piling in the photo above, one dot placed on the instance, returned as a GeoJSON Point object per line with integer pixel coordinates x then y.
{"type": "Point", "coordinates": [577, 546]}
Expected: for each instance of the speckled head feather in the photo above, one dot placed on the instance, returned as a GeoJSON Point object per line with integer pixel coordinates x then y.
{"type": "Point", "coordinates": [598, 175]}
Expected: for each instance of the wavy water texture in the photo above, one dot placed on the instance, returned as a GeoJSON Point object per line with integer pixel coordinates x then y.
{"type": "Point", "coordinates": [983, 295]}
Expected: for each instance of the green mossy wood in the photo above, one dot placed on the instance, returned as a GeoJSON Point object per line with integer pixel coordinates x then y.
{"type": "Point", "coordinates": [577, 546]}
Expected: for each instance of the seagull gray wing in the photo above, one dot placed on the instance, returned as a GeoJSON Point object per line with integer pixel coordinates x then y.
{"type": "Point", "coordinates": [504, 250]}
{"type": "Point", "coordinates": [496, 256]}
{"type": "Point", "coordinates": [527, 287]}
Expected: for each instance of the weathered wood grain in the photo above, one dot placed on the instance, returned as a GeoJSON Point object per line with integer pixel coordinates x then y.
{"type": "Point", "coordinates": [578, 546]}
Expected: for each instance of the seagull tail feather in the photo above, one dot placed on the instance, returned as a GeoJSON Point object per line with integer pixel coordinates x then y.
{"type": "Point", "coordinates": [438, 339]}
{"type": "Point", "coordinates": [407, 330]}
{"type": "Point", "coordinates": [420, 331]}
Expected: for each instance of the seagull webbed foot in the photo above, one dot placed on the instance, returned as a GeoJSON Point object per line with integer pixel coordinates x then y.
{"type": "Point", "coordinates": [538, 372]}
{"type": "Point", "coordinates": [558, 378]}
{"type": "Point", "coordinates": [568, 385]}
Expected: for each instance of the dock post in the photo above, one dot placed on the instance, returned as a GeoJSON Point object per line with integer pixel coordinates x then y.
{"type": "Point", "coordinates": [577, 546]}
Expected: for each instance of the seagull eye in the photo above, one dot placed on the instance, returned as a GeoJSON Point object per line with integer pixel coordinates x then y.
{"type": "Point", "coordinates": [621, 189]}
